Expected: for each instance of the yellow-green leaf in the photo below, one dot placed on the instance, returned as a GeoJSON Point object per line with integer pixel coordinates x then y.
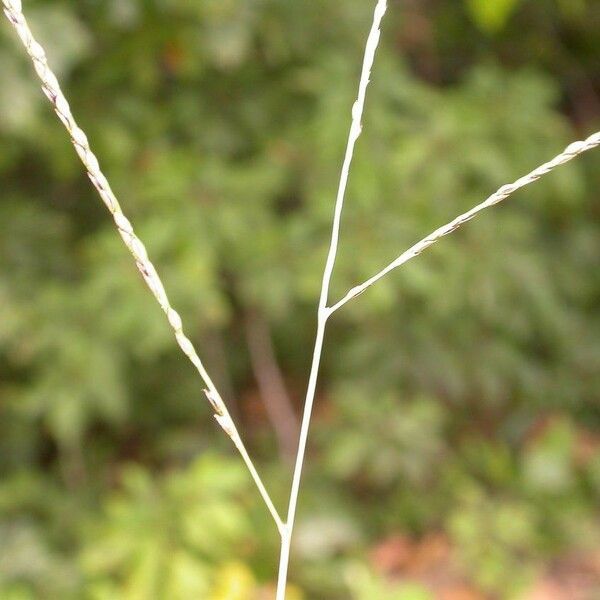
{"type": "Point", "coordinates": [491, 15]}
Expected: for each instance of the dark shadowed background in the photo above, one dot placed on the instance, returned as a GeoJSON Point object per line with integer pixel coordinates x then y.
{"type": "Point", "coordinates": [455, 447]}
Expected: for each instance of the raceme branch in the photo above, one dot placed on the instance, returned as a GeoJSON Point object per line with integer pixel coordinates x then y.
{"type": "Point", "coordinates": [50, 86]}
{"type": "Point", "coordinates": [570, 152]}
{"type": "Point", "coordinates": [323, 312]}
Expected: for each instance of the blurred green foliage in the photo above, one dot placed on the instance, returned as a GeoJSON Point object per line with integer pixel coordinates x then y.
{"type": "Point", "coordinates": [459, 396]}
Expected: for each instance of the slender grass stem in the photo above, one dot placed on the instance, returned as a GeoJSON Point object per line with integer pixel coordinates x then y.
{"type": "Point", "coordinates": [570, 152]}
{"type": "Point", "coordinates": [51, 88]}
{"type": "Point", "coordinates": [14, 12]}
{"type": "Point", "coordinates": [323, 311]}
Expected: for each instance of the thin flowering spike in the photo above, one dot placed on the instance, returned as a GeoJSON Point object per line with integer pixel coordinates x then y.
{"type": "Point", "coordinates": [570, 152]}
{"type": "Point", "coordinates": [51, 88]}
{"type": "Point", "coordinates": [323, 314]}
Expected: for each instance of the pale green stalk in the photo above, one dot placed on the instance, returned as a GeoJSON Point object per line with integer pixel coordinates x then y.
{"type": "Point", "coordinates": [569, 153]}
{"type": "Point", "coordinates": [323, 311]}
{"type": "Point", "coordinates": [13, 11]}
